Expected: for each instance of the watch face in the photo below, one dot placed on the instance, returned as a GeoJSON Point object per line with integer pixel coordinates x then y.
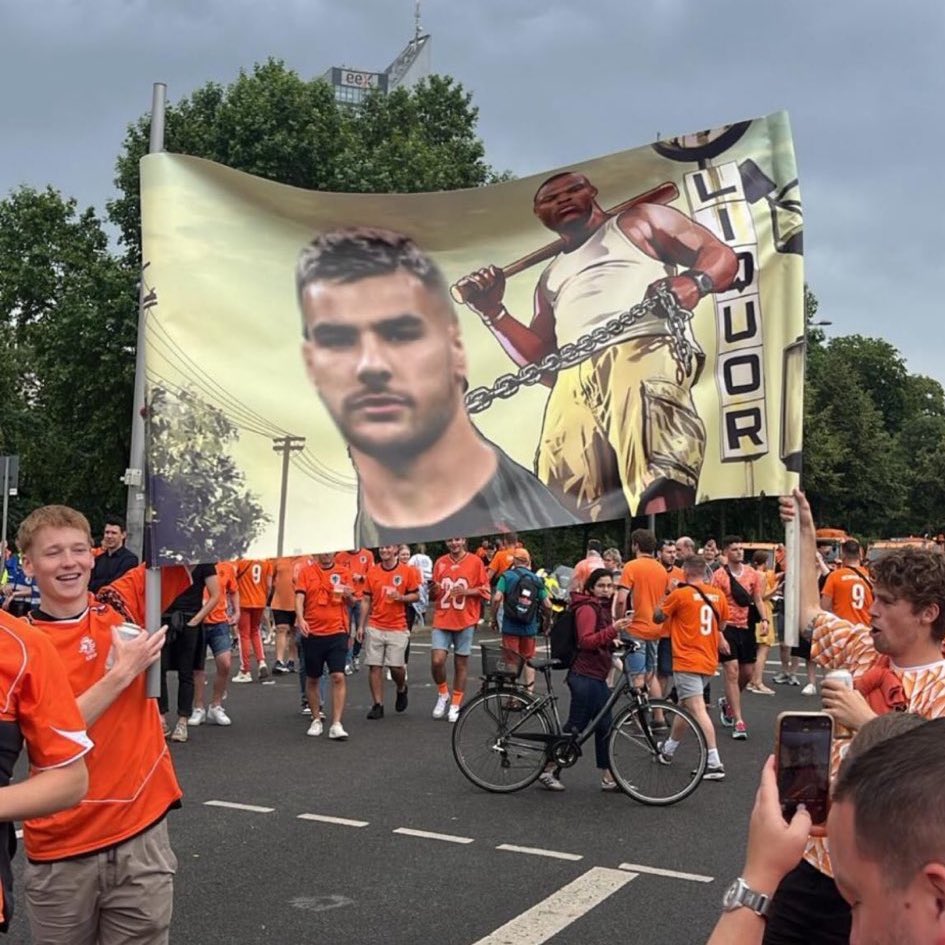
{"type": "Point", "coordinates": [732, 897]}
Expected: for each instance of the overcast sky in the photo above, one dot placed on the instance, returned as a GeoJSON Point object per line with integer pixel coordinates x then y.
{"type": "Point", "coordinates": [556, 81]}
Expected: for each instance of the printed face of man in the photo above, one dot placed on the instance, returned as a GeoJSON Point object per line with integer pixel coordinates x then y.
{"type": "Point", "coordinates": [112, 537]}
{"type": "Point", "coordinates": [385, 356]}
{"type": "Point", "coordinates": [60, 560]}
{"type": "Point", "coordinates": [565, 203]}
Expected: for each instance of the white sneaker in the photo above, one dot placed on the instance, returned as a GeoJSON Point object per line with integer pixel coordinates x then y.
{"type": "Point", "coordinates": [337, 731]}
{"type": "Point", "coordinates": [348, 669]}
{"type": "Point", "coordinates": [216, 716]}
{"type": "Point", "coordinates": [197, 716]}
{"type": "Point", "coordinates": [439, 710]}
{"type": "Point", "coordinates": [809, 690]}
{"type": "Point", "coordinates": [263, 671]}
{"type": "Point", "coordinates": [453, 713]}
{"type": "Point", "coordinates": [242, 677]}
{"type": "Point", "coordinates": [549, 782]}
{"type": "Point", "coordinates": [315, 728]}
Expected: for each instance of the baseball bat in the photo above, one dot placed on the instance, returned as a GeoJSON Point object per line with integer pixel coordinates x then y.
{"type": "Point", "coordinates": [664, 193]}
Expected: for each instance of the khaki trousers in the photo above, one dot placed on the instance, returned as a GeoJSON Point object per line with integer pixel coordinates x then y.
{"type": "Point", "coordinates": [121, 896]}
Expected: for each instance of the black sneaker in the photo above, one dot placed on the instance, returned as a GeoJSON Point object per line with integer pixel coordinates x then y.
{"type": "Point", "coordinates": [377, 711]}
{"type": "Point", "coordinates": [714, 773]}
{"type": "Point", "coordinates": [290, 666]}
{"type": "Point", "coordinates": [401, 702]}
{"type": "Point", "coordinates": [279, 668]}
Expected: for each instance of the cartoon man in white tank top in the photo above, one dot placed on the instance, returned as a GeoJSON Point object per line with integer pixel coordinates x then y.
{"type": "Point", "coordinates": [620, 430]}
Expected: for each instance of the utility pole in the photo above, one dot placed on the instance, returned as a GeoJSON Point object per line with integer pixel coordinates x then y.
{"type": "Point", "coordinates": [287, 445]}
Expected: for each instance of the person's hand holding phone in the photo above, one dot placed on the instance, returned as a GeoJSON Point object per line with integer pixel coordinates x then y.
{"type": "Point", "coordinates": [775, 846]}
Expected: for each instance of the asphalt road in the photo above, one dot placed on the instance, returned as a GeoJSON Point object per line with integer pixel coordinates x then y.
{"type": "Point", "coordinates": [261, 873]}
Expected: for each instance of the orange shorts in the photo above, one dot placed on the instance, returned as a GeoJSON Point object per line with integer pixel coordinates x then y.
{"type": "Point", "coordinates": [524, 646]}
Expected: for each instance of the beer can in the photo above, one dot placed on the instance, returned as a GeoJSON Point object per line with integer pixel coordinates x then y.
{"type": "Point", "coordinates": [844, 675]}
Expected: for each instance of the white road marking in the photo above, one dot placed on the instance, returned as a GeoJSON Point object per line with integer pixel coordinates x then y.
{"type": "Point", "coordinates": [546, 919]}
{"type": "Point", "coordinates": [673, 874]}
{"type": "Point", "coordinates": [537, 851]}
{"type": "Point", "coordinates": [232, 805]}
{"type": "Point", "coordinates": [340, 821]}
{"type": "Point", "coordinates": [429, 835]}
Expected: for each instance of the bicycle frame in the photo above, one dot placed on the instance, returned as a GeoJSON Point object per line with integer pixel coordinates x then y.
{"type": "Point", "coordinates": [559, 737]}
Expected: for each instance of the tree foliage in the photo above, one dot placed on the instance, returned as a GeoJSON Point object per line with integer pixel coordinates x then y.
{"type": "Point", "coordinates": [67, 354]}
{"type": "Point", "coordinates": [272, 123]}
{"type": "Point", "coordinates": [207, 513]}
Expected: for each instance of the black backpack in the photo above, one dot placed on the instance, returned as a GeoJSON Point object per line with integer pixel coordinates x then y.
{"type": "Point", "coordinates": [562, 637]}
{"type": "Point", "coordinates": [522, 600]}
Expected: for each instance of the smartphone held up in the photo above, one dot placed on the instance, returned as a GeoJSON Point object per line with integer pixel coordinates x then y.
{"type": "Point", "coordinates": [804, 742]}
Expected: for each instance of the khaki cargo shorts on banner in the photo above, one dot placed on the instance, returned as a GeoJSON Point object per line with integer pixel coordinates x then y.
{"type": "Point", "coordinates": [617, 423]}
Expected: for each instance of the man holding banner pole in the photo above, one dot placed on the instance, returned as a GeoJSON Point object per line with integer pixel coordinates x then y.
{"type": "Point", "coordinates": [620, 428]}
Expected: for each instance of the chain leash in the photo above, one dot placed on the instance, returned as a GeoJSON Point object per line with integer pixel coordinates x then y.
{"type": "Point", "coordinates": [663, 304]}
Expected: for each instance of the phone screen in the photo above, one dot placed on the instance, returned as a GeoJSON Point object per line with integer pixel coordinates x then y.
{"type": "Point", "coordinates": [804, 764]}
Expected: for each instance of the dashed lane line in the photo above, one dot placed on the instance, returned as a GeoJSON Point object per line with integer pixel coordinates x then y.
{"type": "Point", "coordinates": [537, 851]}
{"type": "Point", "coordinates": [232, 805]}
{"type": "Point", "coordinates": [429, 835]}
{"type": "Point", "coordinates": [672, 874]}
{"type": "Point", "coordinates": [550, 916]}
{"type": "Point", "coordinates": [340, 821]}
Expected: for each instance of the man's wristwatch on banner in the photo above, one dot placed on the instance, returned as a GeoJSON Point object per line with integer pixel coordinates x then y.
{"type": "Point", "coordinates": [741, 894]}
{"type": "Point", "coordinates": [703, 281]}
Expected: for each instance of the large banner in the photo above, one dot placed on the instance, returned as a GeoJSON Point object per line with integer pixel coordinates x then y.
{"type": "Point", "coordinates": [328, 371]}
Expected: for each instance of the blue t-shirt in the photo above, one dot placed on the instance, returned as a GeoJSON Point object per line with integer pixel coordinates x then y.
{"type": "Point", "coordinates": [506, 584]}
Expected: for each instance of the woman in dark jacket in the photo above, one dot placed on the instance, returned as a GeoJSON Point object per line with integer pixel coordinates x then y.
{"type": "Point", "coordinates": [587, 679]}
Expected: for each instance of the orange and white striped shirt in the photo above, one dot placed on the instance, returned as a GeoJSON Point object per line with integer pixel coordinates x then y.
{"type": "Point", "coordinates": [839, 644]}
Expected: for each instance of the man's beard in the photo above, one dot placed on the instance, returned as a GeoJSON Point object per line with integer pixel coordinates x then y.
{"type": "Point", "coordinates": [401, 453]}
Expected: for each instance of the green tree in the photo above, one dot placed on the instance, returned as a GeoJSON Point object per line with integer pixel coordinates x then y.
{"type": "Point", "coordinates": [207, 513]}
{"type": "Point", "coordinates": [67, 355]}
{"type": "Point", "coordinates": [272, 123]}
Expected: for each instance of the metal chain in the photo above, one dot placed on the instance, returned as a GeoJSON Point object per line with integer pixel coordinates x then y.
{"type": "Point", "coordinates": [663, 304]}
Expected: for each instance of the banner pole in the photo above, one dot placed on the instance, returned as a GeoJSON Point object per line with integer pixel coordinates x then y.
{"type": "Point", "coordinates": [135, 475]}
{"type": "Point", "coordinates": [792, 558]}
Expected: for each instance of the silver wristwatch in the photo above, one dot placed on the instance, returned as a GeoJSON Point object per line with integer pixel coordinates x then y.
{"type": "Point", "coordinates": [741, 894]}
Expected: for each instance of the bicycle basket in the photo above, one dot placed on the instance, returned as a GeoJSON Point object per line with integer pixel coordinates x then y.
{"type": "Point", "coordinates": [500, 663]}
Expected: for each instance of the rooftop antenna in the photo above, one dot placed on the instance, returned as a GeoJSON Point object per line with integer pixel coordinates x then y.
{"type": "Point", "coordinates": [417, 32]}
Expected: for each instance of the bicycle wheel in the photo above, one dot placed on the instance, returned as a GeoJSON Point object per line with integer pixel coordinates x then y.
{"type": "Point", "coordinates": [641, 770]}
{"type": "Point", "coordinates": [490, 741]}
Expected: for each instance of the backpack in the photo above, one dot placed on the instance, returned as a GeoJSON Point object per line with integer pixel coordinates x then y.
{"type": "Point", "coordinates": [562, 637]}
{"type": "Point", "coordinates": [522, 600]}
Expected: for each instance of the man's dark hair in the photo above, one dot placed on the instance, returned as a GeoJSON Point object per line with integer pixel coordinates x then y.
{"type": "Point", "coordinates": [730, 540]}
{"type": "Point", "coordinates": [915, 575]}
{"type": "Point", "coordinates": [558, 176]}
{"type": "Point", "coordinates": [349, 254]}
{"type": "Point", "coordinates": [594, 545]}
{"type": "Point", "coordinates": [115, 520]}
{"type": "Point", "coordinates": [895, 789]}
{"type": "Point", "coordinates": [644, 539]}
{"type": "Point", "coordinates": [850, 548]}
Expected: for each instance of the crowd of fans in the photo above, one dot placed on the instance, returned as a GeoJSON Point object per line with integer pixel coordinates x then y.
{"type": "Point", "coordinates": [74, 677]}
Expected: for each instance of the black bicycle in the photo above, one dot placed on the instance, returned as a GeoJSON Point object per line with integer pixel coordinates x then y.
{"type": "Point", "coordinates": [506, 736]}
